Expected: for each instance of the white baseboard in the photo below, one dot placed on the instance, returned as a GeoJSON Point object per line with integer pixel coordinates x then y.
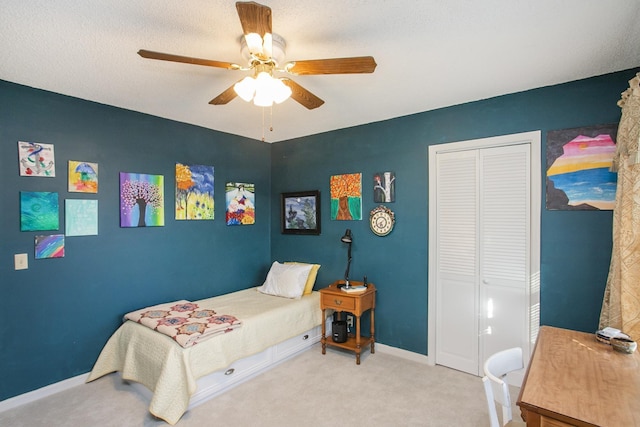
{"type": "Point", "coordinates": [32, 396]}
{"type": "Point", "coordinates": [405, 354]}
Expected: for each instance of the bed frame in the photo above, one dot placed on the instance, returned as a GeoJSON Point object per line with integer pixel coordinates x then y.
{"type": "Point", "coordinates": [243, 370]}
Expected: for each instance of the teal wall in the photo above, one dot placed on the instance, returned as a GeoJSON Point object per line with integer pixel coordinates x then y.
{"type": "Point", "coordinates": [575, 245]}
{"type": "Point", "coordinates": [59, 313]}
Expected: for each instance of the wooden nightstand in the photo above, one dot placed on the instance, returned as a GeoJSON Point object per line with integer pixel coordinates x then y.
{"type": "Point", "coordinates": [333, 298]}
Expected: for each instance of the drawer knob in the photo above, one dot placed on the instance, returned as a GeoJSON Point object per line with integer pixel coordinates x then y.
{"type": "Point", "coordinates": [229, 371]}
{"type": "Point", "coordinates": [338, 301]}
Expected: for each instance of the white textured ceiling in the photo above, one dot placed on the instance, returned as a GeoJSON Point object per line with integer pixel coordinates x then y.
{"type": "Point", "coordinates": [430, 54]}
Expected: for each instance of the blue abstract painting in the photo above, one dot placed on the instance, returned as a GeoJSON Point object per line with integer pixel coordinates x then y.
{"type": "Point", "coordinates": [38, 211]}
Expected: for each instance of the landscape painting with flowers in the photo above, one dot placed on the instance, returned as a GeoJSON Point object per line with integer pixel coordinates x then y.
{"type": "Point", "coordinates": [194, 192]}
{"type": "Point", "coordinates": [240, 198]}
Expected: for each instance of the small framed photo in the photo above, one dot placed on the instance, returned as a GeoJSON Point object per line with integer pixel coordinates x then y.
{"type": "Point", "coordinates": [300, 212]}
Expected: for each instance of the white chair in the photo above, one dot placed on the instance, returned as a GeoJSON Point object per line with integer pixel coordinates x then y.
{"type": "Point", "coordinates": [496, 368]}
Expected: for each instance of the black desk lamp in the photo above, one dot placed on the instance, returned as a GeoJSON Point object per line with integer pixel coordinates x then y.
{"type": "Point", "coordinates": [347, 238]}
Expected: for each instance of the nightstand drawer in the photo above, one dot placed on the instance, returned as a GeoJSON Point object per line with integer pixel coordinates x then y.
{"type": "Point", "coordinates": [338, 302]}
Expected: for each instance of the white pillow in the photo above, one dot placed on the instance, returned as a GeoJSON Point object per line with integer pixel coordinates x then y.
{"type": "Point", "coordinates": [286, 280]}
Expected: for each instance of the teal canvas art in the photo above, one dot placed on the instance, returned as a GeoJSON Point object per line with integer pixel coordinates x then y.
{"type": "Point", "coordinates": [39, 211]}
{"type": "Point", "coordinates": [81, 217]}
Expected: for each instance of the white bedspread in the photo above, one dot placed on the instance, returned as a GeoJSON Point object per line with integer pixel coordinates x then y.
{"type": "Point", "coordinates": [171, 371]}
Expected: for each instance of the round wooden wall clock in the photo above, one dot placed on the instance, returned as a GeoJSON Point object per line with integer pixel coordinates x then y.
{"type": "Point", "coordinates": [381, 220]}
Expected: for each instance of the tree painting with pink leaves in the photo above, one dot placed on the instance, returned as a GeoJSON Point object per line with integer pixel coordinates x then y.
{"type": "Point", "coordinates": [141, 200]}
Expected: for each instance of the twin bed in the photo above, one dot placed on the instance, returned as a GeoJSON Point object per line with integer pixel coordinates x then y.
{"type": "Point", "coordinates": [272, 329]}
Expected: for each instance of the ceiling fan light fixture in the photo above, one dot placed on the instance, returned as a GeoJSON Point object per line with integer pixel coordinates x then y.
{"type": "Point", "coordinates": [281, 92]}
{"type": "Point", "coordinates": [269, 90]}
{"type": "Point", "coordinates": [264, 89]}
{"type": "Point", "coordinates": [274, 43]}
{"type": "Point", "coordinates": [245, 88]}
{"type": "Point", "coordinates": [267, 43]}
{"type": "Point", "coordinates": [254, 43]}
{"type": "Point", "coordinates": [262, 99]}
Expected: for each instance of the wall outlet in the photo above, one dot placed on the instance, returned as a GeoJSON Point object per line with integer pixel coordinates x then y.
{"type": "Point", "coordinates": [21, 261]}
{"type": "Point", "coordinates": [349, 321]}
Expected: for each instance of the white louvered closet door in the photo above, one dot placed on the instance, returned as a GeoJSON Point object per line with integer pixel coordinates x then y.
{"type": "Point", "coordinates": [483, 232]}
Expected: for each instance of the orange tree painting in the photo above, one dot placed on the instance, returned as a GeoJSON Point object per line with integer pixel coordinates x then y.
{"type": "Point", "coordinates": [346, 197]}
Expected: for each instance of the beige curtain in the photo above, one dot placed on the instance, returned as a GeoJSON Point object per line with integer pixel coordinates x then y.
{"type": "Point", "coordinates": [621, 304]}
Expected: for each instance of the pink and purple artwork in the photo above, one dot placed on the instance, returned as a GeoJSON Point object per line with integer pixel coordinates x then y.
{"type": "Point", "coordinates": [578, 168]}
{"type": "Point", "coordinates": [141, 200]}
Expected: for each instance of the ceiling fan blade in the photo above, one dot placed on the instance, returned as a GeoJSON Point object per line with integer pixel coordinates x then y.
{"type": "Point", "coordinates": [254, 17]}
{"type": "Point", "coordinates": [256, 25]}
{"type": "Point", "coordinates": [225, 97]}
{"type": "Point", "coordinates": [355, 65]}
{"type": "Point", "coordinates": [187, 60]}
{"type": "Point", "coordinates": [302, 95]}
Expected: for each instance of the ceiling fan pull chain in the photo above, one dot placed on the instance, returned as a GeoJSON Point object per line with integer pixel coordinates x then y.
{"type": "Point", "coordinates": [271, 119]}
{"type": "Point", "coordinates": [262, 124]}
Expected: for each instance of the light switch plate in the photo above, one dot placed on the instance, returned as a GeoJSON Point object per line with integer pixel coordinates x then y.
{"type": "Point", "coordinates": [21, 261]}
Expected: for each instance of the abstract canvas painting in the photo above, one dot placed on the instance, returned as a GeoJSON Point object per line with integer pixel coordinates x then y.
{"type": "Point", "coordinates": [346, 197]}
{"type": "Point", "coordinates": [39, 211]}
{"type": "Point", "coordinates": [240, 198]}
{"type": "Point", "coordinates": [36, 159]}
{"type": "Point", "coordinates": [141, 200]}
{"type": "Point", "coordinates": [194, 192]}
{"type": "Point", "coordinates": [49, 246]}
{"type": "Point", "coordinates": [81, 217]}
{"type": "Point", "coordinates": [83, 177]}
{"type": "Point", "coordinates": [578, 163]}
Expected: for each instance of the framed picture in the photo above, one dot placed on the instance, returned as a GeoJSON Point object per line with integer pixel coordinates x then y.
{"type": "Point", "coordinates": [300, 212]}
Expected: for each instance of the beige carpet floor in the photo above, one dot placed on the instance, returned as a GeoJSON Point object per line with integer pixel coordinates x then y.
{"type": "Point", "coordinates": [308, 390]}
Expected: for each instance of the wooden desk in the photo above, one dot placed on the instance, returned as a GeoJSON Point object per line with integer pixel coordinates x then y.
{"type": "Point", "coordinates": [333, 298]}
{"type": "Point", "coordinates": [574, 380]}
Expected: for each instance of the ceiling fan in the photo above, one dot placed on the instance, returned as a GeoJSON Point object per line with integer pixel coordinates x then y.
{"type": "Point", "coordinates": [265, 51]}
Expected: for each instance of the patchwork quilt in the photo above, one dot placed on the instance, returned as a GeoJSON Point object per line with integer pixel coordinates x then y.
{"type": "Point", "coordinates": [184, 321]}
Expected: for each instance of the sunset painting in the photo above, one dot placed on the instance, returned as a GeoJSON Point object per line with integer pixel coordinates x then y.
{"type": "Point", "coordinates": [578, 175]}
